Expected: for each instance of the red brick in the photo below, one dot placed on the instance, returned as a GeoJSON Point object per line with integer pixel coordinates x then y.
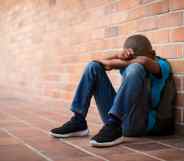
{"type": "Point", "coordinates": [177, 34]}
{"type": "Point", "coordinates": [157, 37]}
{"type": "Point", "coordinates": [111, 8]}
{"type": "Point", "coordinates": [111, 31]}
{"type": "Point", "coordinates": [157, 8]}
{"type": "Point", "coordinates": [179, 115]}
{"type": "Point", "coordinates": [147, 24]}
{"type": "Point", "coordinates": [129, 4]}
{"type": "Point", "coordinates": [176, 4]}
{"type": "Point", "coordinates": [180, 99]}
{"type": "Point", "coordinates": [136, 13]}
{"type": "Point", "coordinates": [128, 28]}
{"type": "Point", "coordinates": [170, 51]}
{"type": "Point", "coordinates": [179, 82]}
{"type": "Point", "coordinates": [177, 66]}
{"type": "Point", "coordinates": [170, 19]}
{"type": "Point", "coordinates": [145, 1]}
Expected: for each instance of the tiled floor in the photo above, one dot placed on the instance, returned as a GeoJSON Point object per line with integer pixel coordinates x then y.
{"type": "Point", "coordinates": [24, 137]}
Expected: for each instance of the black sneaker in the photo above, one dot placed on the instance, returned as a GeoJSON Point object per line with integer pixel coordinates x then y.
{"type": "Point", "coordinates": [71, 128]}
{"type": "Point", "coordinates": [109, 135]}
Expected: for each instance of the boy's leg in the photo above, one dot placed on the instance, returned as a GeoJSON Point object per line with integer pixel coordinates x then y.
{"type": "Point", "coordinates": [129, 107]}
{"type": "Point", "coordinates": [94, 82]}
{"type": "Point", "coordinates": [131, 102]}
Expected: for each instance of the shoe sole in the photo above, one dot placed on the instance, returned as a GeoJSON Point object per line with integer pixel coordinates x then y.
{"type": "Point", "coordinates": [106, 144]}
{"type": "Point", "coordinates": [78, 133]}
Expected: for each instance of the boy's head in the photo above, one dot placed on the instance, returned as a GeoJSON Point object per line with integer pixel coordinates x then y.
{"type": "Point", "coordinates": [140, 45]}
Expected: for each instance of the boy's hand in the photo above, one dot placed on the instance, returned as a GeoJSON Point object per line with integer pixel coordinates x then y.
{"type": "Point", "coordinates": [127, 54]}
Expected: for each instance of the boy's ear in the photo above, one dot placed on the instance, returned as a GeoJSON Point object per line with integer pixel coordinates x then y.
{"type": "Point", "coordinates": [153, 53]}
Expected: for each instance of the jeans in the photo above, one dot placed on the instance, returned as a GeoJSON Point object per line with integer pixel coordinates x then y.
{"type": "Point", "coordinates": [129, 103]}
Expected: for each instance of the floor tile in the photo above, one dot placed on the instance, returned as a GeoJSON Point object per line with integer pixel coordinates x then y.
{"type": "Point", "coordinates": [147, 146]}
{"type": "Point", "coordinates": [131, 157]}
{"type": "Point", "coordinates": [18, 153]}
{"type": "Point", "coordinates": [8, 141]}
{"type": "Point", "coordinates": [169, 154]}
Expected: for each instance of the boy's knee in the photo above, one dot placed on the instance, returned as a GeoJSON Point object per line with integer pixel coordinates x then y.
{"type": "Point", "coordinates": [93, 65]}
{"type": "Point", "coordinates": [135, 69]}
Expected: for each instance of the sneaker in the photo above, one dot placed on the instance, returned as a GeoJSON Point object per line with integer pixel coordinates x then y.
{"type": "Point", "coordinates": [71, 128]}
{"type": "Point", "coordinates": [109, 135]}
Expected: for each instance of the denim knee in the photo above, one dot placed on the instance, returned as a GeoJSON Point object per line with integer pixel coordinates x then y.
{"type": "Point", "coordinates": [94, 66]}
{"type": "Point", "coordinates": [135, 69]}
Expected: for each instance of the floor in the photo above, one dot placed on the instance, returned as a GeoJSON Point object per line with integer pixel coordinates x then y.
{"type": "Point", "coordinates": [24, 137]}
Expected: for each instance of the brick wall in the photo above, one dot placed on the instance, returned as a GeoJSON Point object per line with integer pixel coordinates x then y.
{"type": "Point", "coordinates": [45, 44]}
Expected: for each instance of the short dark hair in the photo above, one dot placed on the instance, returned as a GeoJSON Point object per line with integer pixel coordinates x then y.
{"type": "Point", "coordinates": [140, 45]}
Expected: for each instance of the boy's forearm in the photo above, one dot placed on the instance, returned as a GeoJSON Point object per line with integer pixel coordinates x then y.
{"type": "Point", "coordinates": [148, 63]}
{"type": "Point", "coordinates": [113, 63]}
{"type": "Point", "coordinates": [118, 63]}
{"type": "Point", "coordinates": [114, 56]}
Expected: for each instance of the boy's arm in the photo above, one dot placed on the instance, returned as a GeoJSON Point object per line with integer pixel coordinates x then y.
{"type": "Point", "coordinates": [126, 54]}
{"type": "Point", "coordinates": [117, 61]}
{"type": "Point", "coordinates": [113, 64]}
{"type": "Point", "coordinates": [150, 64]}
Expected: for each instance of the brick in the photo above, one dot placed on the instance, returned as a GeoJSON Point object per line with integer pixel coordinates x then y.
{"type": "Point", "coordinates": [97, 34]}
{"type": "Point", "coordinates": [147, 24]}
{"type": "Point", "coordinates": [179, 115]}
{"type": "Point", "coordinates": [157, 8]}
{"type": "Point", "coordinates": [128, 5]}
{"type": "Point", "coordinates": [179, 83]}
{"type": "Point", "coordinates": [136, 13]}
{"type": "Point", "coordinates": [177, 34]}
{"type": "Point", "coordinates": [118, 17]}
{"type": "Point", "coordinates": [111, 31]}
{"type": "Point", "coordinates": [145, 1]}
{"type": "Point", "coordinates": [128, 28]}
{"type": "Point", "coordinates": [177, 66]}
{"type": "Point", "coordinates": [170, 19]}
{"type": "Point", "coordinates": [180, 99]}
{"type": "Point", "coordinates": [92, 4]}
{"type": "Point", "coordinates": [158, 37]}
{"type": "Point", "coordinates": [52, 2]}
{"type": "Point", "coordinates": [150, 10]}
{"type": "Point", "coordinates": [170, 51]}
{"type": "Point", "coordinates": [111, 8]}
{"type": "Point", "coordinates": [176, 4]}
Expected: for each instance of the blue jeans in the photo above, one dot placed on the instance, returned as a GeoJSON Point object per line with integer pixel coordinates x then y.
{"type": "Point", "coordinates": [129, 103]}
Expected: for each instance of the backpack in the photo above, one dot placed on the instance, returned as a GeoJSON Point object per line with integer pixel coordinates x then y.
{"type": "Point", "coordinates": [164, 112]}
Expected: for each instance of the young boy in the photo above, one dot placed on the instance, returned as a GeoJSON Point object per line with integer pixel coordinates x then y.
{"type": "Point", "coordinates": [125, 112]}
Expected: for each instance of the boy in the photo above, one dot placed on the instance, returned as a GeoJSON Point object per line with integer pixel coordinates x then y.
{"type": "Point", "coordinates": [125, 112]}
